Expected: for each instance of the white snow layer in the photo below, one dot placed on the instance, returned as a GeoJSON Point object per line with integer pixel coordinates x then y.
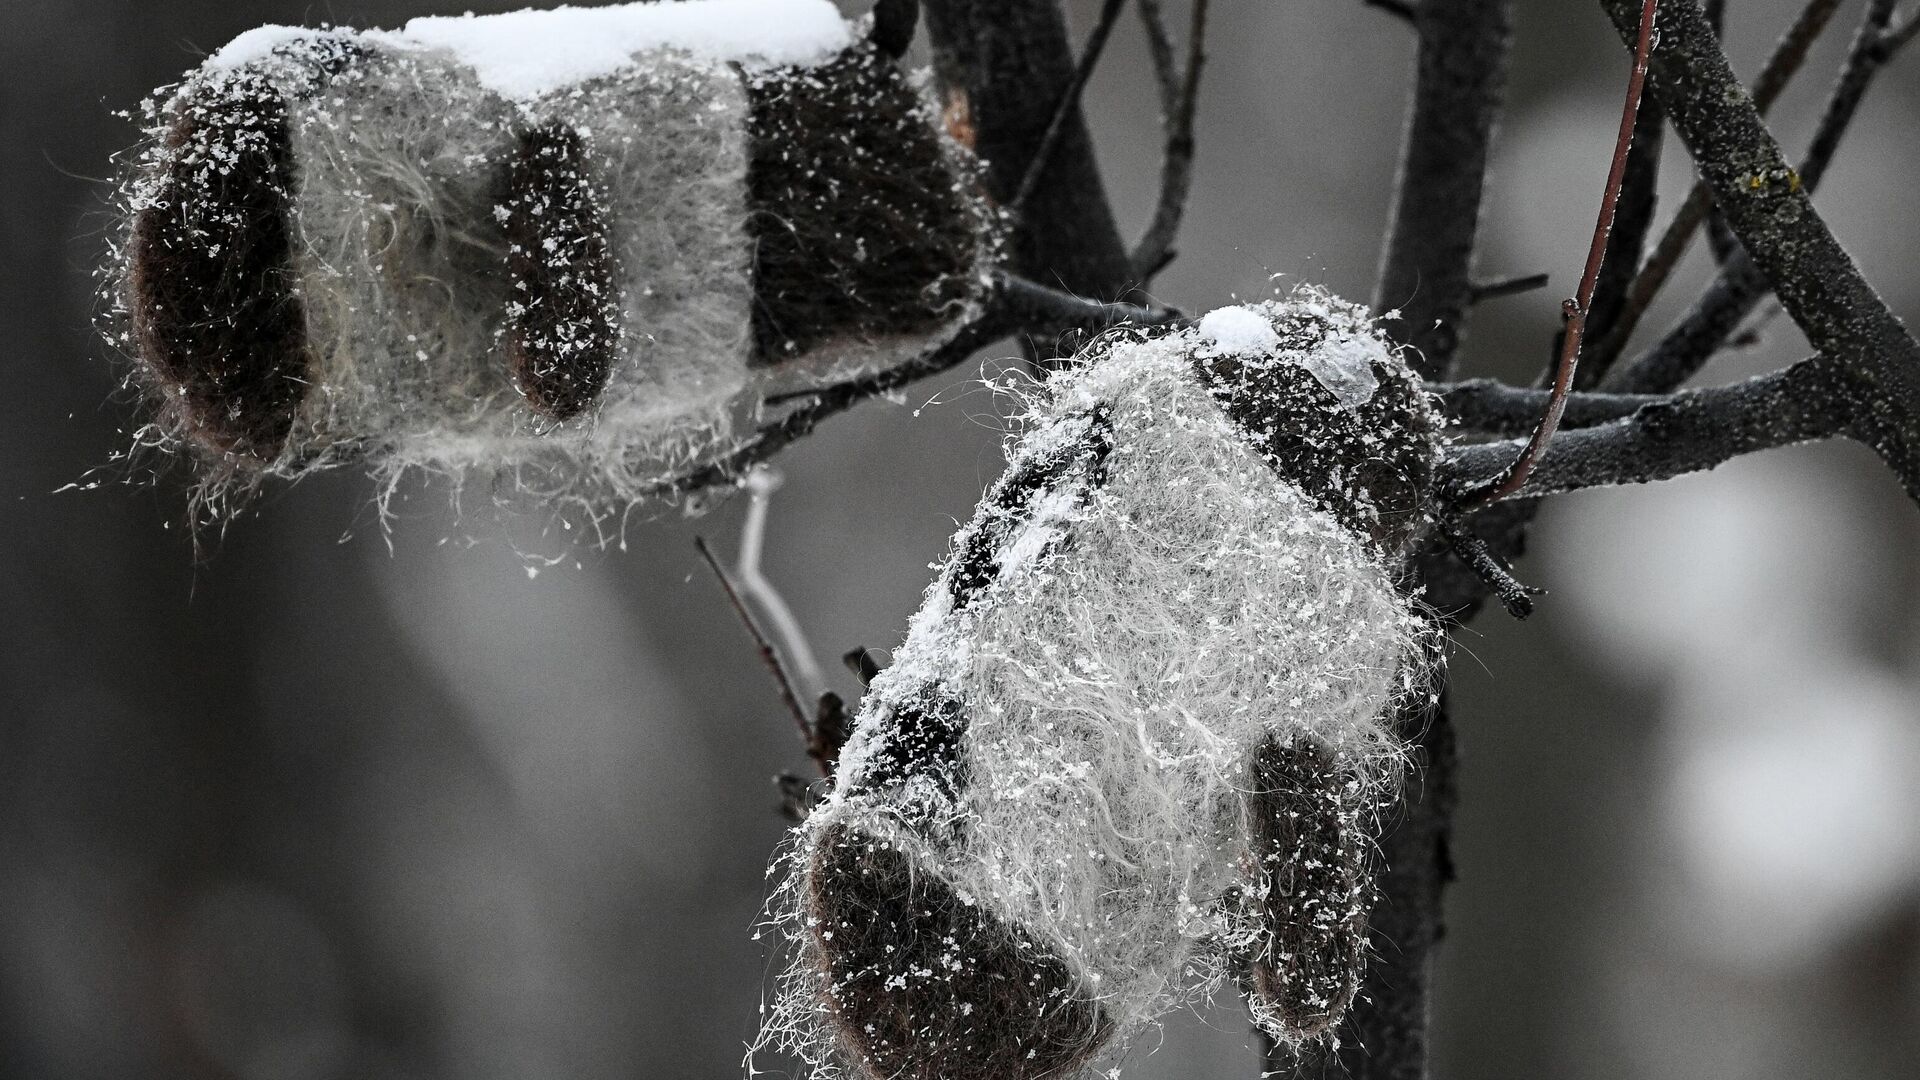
{"type": "Point", "coordinates": [530, 53]}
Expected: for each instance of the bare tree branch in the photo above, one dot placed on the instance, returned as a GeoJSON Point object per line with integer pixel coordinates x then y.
{"type": "Point", "coordinates": [1902, 32]}
{"type": "Point", "coordinates": [790, 692]}
{"type": "Point", "coordinates": [1685, 432]}
{"type": "Point", "coordinates": [1788, 55]}
{"type": "Point", "coordinates": [1036, 307]}
{"type": "Point", "coordinates": [1514, 286]}
{"type": "Point", "coordinates": [1166, 71]}
{"type": "Point", "coordinates": [1495, 408]}
{"type": "Point", "coordinates": [1012, 304]}
{"type": "Point", "coordinates": [1767, 206]}
{"type": "Point", "coordinates": [1069, 105]}
{"type": "Point", "coordinates": [1639, 196]}
{"type": "Point", "coordinates": [1179, 94]}
{"type": "Point", "coordinates": [1459, 88]}
{"type": "Point", "coordinates": [1486, 564]}
{"type": "Point", "coordinates": [1686, 348]}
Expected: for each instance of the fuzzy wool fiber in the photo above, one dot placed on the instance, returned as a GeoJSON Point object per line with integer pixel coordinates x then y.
{"type": "Point", "coordinates": [1066, 740]}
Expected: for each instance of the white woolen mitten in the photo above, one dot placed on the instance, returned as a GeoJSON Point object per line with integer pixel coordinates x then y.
{"type": "Point", "coordinates": [1141, 727]}
{"type": "Point", "coordinates": [578, 247]}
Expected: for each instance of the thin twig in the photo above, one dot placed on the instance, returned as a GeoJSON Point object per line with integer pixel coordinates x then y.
{"type": "Point", "coordinates": [1720, 240]}
{"type": "Point", "coordinates": [1069, 101]}
{"type": "Point", "coordinates": [1012, 305]}
{"type": "Point", "coordinates": [1179, 97]}
{"type": "Point", "coordinates": [1869, 52]}
{"type": "Point", "coordinates": [1514, 595]}
{"type": "Point", "coordinates": [1901, 32]}
{"type": "Point", "coordinates": [1515, 475]}
{"type": "Point", "coordinates": [771, 438]}
{"type": "Point", "coordinates": [1639, 197]}
{"type": "Point", "coordinates": [1166, 75]}
{"type": "Point", "coordinates": [1036, 307]}
{"type": "Point", "coordinates": [1513, 286]}
{"type": "Point", "coordinates": [789, 693]}
{"type": "Point", "coordinates": [1788, 55]}
{"type": "Point", "coordinates": [1683, 350]}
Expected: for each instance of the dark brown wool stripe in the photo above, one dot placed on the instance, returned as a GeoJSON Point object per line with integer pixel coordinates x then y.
{"type": "Point", "coordinates": [923, 740]}
{"type": "Point", "coordinates": [562, 328]}
{"type": "Point", "coordinates": [858, 227]}
{"type": "Point", "coordinates": [1312, 900]}
{"type": "Point", "coordinates": [924, 985]}
{"type": "Point", "coordinates": [217, 321]}
{"type": "Point", "coordinates": [1082, 464]}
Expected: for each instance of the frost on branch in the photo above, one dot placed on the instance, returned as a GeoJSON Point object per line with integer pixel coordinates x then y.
{"type": "Point", "coordinates": [1136, 739]}
{"type": "Point", "coordinates": [578, 247]}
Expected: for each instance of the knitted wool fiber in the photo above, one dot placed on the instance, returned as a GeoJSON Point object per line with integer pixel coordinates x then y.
{"type": "Point", "coordinates": [1140, 728]}
{"type": "Point", "coordinates": [404, 249]}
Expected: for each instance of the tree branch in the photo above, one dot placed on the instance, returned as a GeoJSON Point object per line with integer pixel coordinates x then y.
{"type": "Point", "coordinates": [1686, 432]}
{"type": "Point", "coordinates": [1686, 348]}
{"type": "Point", "coordinates": [1459, 88]}
{"type": "Point", "coordinates": [1767, 207]}
{"type": "Point", "coordinates": [790, 692]}
{"type": "Point", "coordinates": [1404, 10]}
{"type": "Point", "coordinates": [1069, 105]}
{"type": "Point", "coordinates": [1513, 286]}
{"type": "Point", "coordinates": [1788, 55]}
{"type": "Point", "coordinates": [1179, 93]}
{"type": "Point", "coordinates": [1902, 32]}
{"type": "Point", "coordinates": [1639, 196]}
{"type": "Point", "coordinates": [1740, 285]}
{"type": "Point", "coordinates": [1012, 305]}
{"type": "Point", "coordinates": [1496, 408]}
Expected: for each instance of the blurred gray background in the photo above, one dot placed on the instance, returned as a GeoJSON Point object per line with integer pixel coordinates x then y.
{"type": "Point", "coordinates": [337, 803]}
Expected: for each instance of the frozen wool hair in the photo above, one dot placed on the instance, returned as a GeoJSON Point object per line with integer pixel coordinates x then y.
{"type": "Point", "coordinates": [1137, 737]}
{"type": "Point", "coordinates": [577, 246]}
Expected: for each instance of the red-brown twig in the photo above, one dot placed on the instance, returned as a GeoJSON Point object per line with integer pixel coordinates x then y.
{"type": "Point", "coordinates": [1515, 475]}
